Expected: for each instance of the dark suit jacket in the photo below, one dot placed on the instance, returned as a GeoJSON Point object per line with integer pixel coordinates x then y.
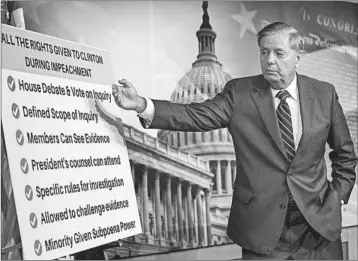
{"type": "Point", "coordinates": [246, 108]}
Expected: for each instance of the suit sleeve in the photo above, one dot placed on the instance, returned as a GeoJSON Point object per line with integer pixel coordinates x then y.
{"type": "Point", "coordinates": [211, 114]}
{"type": "Point", "coordinates": [14, 5]}
{"type": "Point", "coordinates": [342, 156]}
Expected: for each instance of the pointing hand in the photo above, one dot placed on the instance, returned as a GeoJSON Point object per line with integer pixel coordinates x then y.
{"type": "Point", "coordinates": [126, 96]}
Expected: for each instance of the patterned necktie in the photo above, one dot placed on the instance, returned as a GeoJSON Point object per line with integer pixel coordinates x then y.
{"type": "Point", "coordinates": [285, 123]}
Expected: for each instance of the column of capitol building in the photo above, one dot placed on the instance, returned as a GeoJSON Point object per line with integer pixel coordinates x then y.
{"type": "Point", "coordinates": [171, 187]}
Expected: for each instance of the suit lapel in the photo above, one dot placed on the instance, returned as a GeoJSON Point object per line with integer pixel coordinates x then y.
{"type": "Point", "coordinates": [264, 102]}
{"type": "Point", "coordinates": [308, 102]}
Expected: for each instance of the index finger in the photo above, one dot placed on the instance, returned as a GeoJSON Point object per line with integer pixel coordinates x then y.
{"type": "Point", "coordinates": [123, 82]}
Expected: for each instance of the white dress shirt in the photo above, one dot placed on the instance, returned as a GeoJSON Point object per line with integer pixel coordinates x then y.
{"type": "Point", "coordinates": [148, 113]}
{"type": "Point", "coordinates": [292, 101]}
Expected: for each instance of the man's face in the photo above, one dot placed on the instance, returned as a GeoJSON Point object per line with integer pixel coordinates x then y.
{"type": "Point", "coordinates": [278, 60]}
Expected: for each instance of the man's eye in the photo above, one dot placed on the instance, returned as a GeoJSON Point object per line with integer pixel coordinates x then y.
{"type": "Point", "coordinates": [279, 54]}
{"type": "Point", "coordinates": [264, 52]}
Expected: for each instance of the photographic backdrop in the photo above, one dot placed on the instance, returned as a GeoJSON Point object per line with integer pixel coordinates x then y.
{"type": "Point", "coordinates": [184, 181]}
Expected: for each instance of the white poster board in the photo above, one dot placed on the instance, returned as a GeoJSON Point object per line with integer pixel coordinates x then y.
{"type": "Point", "coordinates": [69, 166]}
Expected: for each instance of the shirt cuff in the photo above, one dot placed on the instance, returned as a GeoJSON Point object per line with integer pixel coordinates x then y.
{"type": "Point", "coordinates": [18, 18]}
{"type": "Point", "coordinates": [148, 113]}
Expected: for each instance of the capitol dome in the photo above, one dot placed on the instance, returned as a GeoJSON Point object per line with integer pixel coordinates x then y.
{"type": "Point", "coordinates": [205, 79]}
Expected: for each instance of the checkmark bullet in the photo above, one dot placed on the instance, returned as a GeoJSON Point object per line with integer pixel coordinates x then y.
{"type": "Point", "coordinates": [11, 83]}
{"type": "Point", "coordinates": [15, 110]}
{"type": "Point", "coordinates": [24, 166]}
{"type": "Point", "coordinates": [38, 248]}
{"type": "Point", "coordinates": [33, 220]}
{"type": "Point", "coordinates": [19, 137]}
{"type": "Point", "coordinates": [28, 192]}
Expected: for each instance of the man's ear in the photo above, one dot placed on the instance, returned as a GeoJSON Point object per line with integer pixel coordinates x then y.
{"type": "Point", "coordinates": [298, 58]}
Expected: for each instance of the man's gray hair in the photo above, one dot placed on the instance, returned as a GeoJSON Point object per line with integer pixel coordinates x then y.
{"type": "Point", "coordinates": [296, 41]}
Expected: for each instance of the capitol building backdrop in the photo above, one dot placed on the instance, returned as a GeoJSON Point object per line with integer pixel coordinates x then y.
{"type": "Point", "coordinates": [184, 180]}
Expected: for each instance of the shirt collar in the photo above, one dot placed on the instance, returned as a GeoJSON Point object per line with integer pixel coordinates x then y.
{"type": "Point", "coordinates": [292, 89]}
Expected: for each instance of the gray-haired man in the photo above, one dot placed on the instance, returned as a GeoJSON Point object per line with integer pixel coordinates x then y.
{"type": "Point", "coordinates": [283, 207]}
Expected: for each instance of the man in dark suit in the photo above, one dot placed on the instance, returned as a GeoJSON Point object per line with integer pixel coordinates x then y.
{"type": "Point", "coordinates": [283, 207]}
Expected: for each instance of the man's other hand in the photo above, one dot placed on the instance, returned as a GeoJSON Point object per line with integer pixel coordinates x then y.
{"type": "Point", "coordinates": [126, 97]}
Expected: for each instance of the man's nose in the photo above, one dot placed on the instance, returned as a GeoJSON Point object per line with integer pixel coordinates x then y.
{"type": "Point", "coordinates": [271, 58]}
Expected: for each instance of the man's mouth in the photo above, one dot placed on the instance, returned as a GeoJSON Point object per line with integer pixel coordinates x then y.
{"type": "Point", "coordinates": [272, 72]}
